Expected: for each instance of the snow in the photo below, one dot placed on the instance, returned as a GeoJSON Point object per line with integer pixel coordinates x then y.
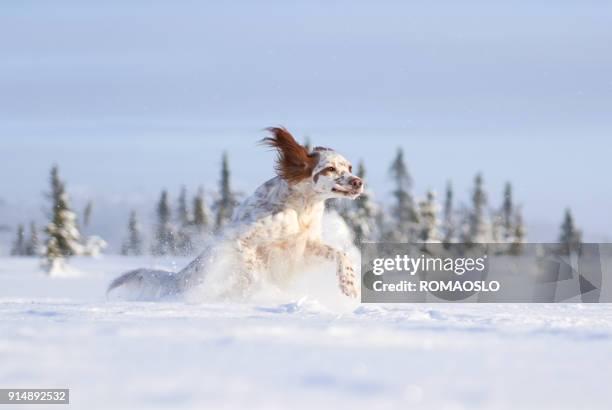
{"type": "Point", "coordinates": [284, 350]}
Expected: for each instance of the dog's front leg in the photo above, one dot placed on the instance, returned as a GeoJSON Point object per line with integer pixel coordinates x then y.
{"type": "Point", "coordinates": [250, 263]}
{"type": "Point", "coordinates": [344, 269]}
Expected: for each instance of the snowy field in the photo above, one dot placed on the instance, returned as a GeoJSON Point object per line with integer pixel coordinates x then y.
{"type": "Point", "coordinates": [313, 352]}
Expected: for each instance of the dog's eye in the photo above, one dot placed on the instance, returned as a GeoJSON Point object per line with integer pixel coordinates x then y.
{"type": "Point", "coordinates": [351, 169]}
{"type": "Point", "coordinates": [331, 169]}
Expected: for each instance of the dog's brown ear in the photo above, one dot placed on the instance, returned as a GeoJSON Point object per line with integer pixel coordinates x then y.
{"type": "Point", "coordinates": [293, 163]}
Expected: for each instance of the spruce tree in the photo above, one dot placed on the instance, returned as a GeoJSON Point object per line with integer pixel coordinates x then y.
{"type": "Point", "coordinates": [449, 223]}
{"type": "Point", "coordinates": [133, 243]}
{"type": "Point", "coordinates": [477, 224]}
{"type": "Point", "coordinates": [518, 235]}
{"type": "Point", "coordinates": [19, 244]}
{"type": "Point", "coordinates": [227, 201]}
{"type": "Point", "coordinates": [63, 236]}
{"type": "Point", "coordinates": [360, 215]}
{"type": "Point", "coordinates": [164, 236]}
{"type": "Point", "coordinates": [32, 244]}
{"type": "Point", "coordinates": [498, 234]}
{"type": "Point", "coordinates": [429, 219]}
{"type": "Point", "coordinates": [570, 236]}
{"type": "Point", "coordinates": [184, 243]}
{"type": "Point", "coordinates": [405, 218]}
{"type": "Point", "coordinates": [200, 213]}
{"type": "Point", "coordinates": [183, 211]}
{"type": "Point", "coordinates": [507, 213]}
{"type": "Point", "coordinates": [307, 144]}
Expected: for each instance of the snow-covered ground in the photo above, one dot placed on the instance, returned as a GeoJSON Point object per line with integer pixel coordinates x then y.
{"type": "Point", "coordinates": [316, 351]}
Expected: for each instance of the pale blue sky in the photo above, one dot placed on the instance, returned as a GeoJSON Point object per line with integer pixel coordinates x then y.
{"type": "Point", "coordinates": [135, 96]}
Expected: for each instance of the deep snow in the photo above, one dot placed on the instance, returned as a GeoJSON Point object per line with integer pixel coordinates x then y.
{"type": "Point", "coordinates": [300, 353]}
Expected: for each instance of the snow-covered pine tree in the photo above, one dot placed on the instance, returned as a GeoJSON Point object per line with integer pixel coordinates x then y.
{"type": "Point", "coordinates": [183, 210]}
{"type": "Point", "coordinates": [201, 223]}
{"type": "Point", "coordinates": [184, 243]}
{"type": "Point", "coordinates": [497, 228]}
{"type": "Point", "coordinates": [307, 143]}
{"type": "Point", "coordinates": [133, 243]}
{"type": "Point", "coordinates": [571, 236]}
{"type": "Point", "coordinates": [18, 248]}
{"type": "Point", "coordinates": [507, 214]}
{"type": "Point", "coordinates": [449, 220]}
{"type": "Point", "coordinates": [63, 236]}
{"type": "Point", "coordinates": [360, 215]}
{"type": "Point", "coordinates": [201, 217]}
{"type": "Point", "coordinates": [428, 209]}
{"type": "Point", "coordinates": [164, 241]}
{"type": "Point", "coordinates": [518, 234]}
{"type": "Point", "coordinates": [478, 230]}
{"type": "Point", "coordinates": [404, 217]}
{"type": "Point", "coordinates": [367, 211]}
{"type": "Point", "coordinates": [32, 244]}
{"type": "Point", "coordinates": [227, 200]}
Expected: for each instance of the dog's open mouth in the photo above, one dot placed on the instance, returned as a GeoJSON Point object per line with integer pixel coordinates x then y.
{"type": "Point", "coordinates": [346, 192]}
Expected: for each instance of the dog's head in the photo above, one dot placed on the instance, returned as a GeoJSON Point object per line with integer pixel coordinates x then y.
{"type": "Point", "coordinates": [328, 173]}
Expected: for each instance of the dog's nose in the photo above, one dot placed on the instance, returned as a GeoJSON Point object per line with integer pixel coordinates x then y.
{"type": "Point", "coordinates": [356, 183]}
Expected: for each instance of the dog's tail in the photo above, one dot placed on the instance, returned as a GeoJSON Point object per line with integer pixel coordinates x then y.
{"type": "Point", "coordinates": [149, 284]}
{"type": "Point", "coordinates": [146, 284]}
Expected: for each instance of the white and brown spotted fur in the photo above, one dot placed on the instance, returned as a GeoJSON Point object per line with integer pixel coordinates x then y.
{"type": "Point", "coordinates": [278, 229]}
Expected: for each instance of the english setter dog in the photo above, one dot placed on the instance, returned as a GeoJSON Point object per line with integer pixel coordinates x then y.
{"type": "Point", "coordinates": [278, 228]}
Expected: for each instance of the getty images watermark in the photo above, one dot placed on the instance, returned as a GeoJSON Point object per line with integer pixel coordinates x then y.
{"type": "Point", "coordinates": [486, 273]}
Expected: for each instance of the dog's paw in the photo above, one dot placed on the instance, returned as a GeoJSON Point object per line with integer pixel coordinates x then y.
{"type": "Point", "coordinates": [349, 289]}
